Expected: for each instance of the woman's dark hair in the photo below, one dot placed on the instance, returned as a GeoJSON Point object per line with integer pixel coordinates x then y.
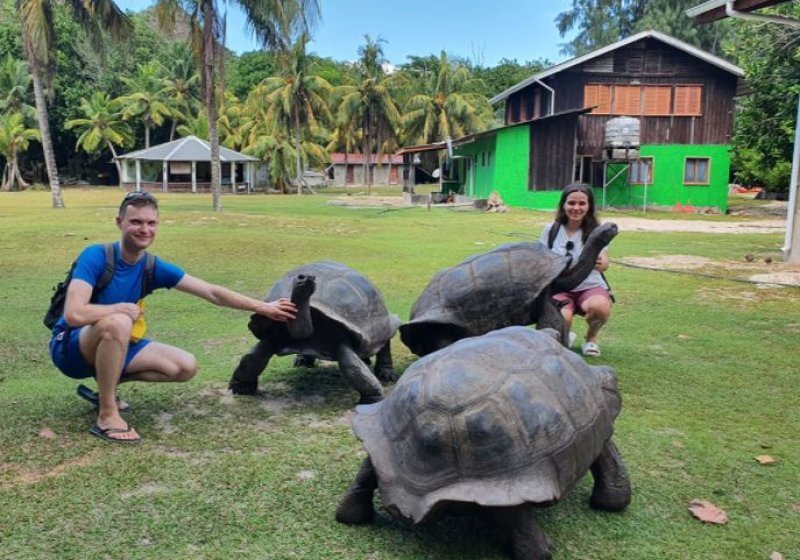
{"type": "Point", "coordinates": [590, 221]}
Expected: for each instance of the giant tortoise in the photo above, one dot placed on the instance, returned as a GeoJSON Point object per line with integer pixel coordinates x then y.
{"type": "Point", "coordinates": [500, 424]}
{"type": "Point", "coordinates": [509, 285]}
{"type": "Point", "coordinates": [341, 316]}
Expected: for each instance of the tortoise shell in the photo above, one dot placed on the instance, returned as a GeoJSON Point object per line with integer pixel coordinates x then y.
{"type": "Point", "coordinates": [506, 418]}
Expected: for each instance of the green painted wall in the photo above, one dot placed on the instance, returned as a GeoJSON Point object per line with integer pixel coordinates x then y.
{"type": "Point", "coordinates": [507, 172]}
{"type": "Point", "coordinates": [668, 186]}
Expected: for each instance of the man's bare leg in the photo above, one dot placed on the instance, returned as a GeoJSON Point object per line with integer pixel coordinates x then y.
{"type": "Point", "coordinates": [104, 345]}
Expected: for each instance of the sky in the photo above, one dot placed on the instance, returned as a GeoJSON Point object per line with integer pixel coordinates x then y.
{"type": "Point", "coordinates": [481, 31]}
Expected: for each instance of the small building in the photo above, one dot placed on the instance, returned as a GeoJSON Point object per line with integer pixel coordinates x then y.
{"type": "Point", "coordinates": [184, 165]}
{"type": "Point", "coordinates": [646, 121]}
{"type": "Point", "coordinates": [348, 169]}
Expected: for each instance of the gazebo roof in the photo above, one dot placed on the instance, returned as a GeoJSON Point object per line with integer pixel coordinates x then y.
{"type": "Point", "coordinates": [190, 148]}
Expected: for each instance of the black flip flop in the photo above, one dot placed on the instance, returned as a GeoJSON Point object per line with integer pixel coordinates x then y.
{"type": "Point", "coordinates": [106, 434]}
{"type": "Point", "coordinates": [93, 398]}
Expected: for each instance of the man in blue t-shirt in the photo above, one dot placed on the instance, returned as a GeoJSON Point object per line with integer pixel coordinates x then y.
{"type": "Point", "coordinates": [105, 340]}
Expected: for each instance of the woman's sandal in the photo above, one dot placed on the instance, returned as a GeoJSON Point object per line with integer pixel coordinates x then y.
{"type": "Point", "coordinates": [591, 349]}
{"type": "Point", "coordinates": [92, 397]}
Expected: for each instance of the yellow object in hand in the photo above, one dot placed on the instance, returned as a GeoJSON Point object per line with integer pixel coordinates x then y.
{"type": "Point", "coordinates": [140, 325]}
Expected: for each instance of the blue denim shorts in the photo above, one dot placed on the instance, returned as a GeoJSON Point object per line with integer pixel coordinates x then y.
{"type": "Point", "coordinates": [66, 354]}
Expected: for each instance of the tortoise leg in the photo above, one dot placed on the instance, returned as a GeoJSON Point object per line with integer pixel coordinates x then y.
{"type": "Point", "coordinates": [302, 288]}
{"type": "Point", "coordinates": [359, 375]}
{"type": "Point", "coordinates": [305, 360]}
{"type": "Point", "coordinates": [580, 269]}
{"type": "Point", "coordinates": [524, 538]}
{"type": "Point", "coordinates": [384, 367]}
{"type": "Point", "coordinates": [244, 380]}
{"type": "Point", "coordinates": [356, 507]}
{"type": "Point", "coordinates": [612, 487]}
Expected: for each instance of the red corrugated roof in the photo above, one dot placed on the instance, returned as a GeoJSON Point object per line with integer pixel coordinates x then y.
{"type": "Point", "coordinates": [354, 159]}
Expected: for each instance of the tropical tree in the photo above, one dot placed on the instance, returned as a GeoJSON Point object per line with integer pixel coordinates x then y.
{"type": "Point", "coordinates": [296, 100]}
{"type": "Point", "coordinates": [369, 104]}
{"type": "Point", "coordinates": [15, 137]}
{"type": "Point", "coordinates": [764, 131]}
{"type": "Point", "coordinates": [602, 22]}
{"type": "Point", "coordinates": [195, 126]}
{"type": "Point", "coordinates": [102, 126]}
{"type": "Point", "coordinates": [181, 87]}
{"type": "Point", "coordinates": [147, 98]}
{"type": "Point", "coordinates": [274, 23]}
{"type": "Point", "coordinates": [445, 105]}
{"type": "Point", "coordinates": [36, 18]}
{"type": "Point", "coordinates": [15, 88]}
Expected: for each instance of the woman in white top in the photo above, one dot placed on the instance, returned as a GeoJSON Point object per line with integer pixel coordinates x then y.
{"type": "Point", "coordinates": [576, 217]}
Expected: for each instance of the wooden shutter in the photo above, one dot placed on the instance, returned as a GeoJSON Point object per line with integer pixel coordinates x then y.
{"type": "Point", "coordinates": [687, 100]}
{"type": "Point", "coordinates": [657, 100]}
{"type": "Point", "coordinates": [598, 96]}
{"type": "Point", "coordinates": [628, 100]}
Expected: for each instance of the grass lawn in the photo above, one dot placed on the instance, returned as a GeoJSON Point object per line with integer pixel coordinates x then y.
{"type": "Point", "coordinates": [708, 369]}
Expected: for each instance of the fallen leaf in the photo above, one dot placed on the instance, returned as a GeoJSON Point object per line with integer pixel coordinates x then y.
{"type": "Point", "coordinates": [776, 556]}
{"type": "Point", "coordinates": [708, 512]}
{"type": "Point", "coordinates": [684, 337]}
{"type": "Point", "coordinates": [47, 433]}
{"type": "Point", "coordinates": [766, 459]}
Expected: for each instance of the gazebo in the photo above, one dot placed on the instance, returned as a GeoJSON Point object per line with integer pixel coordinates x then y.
{"type": "Point", "coordinates": [184, 165]}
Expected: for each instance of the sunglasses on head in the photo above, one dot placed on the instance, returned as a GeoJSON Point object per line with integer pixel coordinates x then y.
{"type": "Point", "coordinates": [139, 195]}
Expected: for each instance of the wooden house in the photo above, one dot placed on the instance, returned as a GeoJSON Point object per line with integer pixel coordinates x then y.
{"type": "Point", "coordinates": [678, 99]}
{"type": "Point", "coordinates": [348, 169]}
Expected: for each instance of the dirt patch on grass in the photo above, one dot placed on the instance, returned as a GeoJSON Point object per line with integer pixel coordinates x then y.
{"type": "Point", "coordinates": [773, 273]}
{"type": "Point", "coordinates": [698, 226]}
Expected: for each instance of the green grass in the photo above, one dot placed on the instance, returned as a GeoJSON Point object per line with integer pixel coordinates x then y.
{"type": "Point", "coordinates": [707, 367]}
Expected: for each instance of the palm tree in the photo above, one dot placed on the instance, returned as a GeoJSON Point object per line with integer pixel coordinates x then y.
{"type": "Point", "coordinates": [444, 106]}
{"type": "Point", "coordinates": [147, 98]}
{"type": "Point", "coordinates": [274, 23]}
{"type": "Point", "coordinates": [14, 138]}
{"type": "Point", "coordinates": [181, 87]}
{"type": "Point", "coordinates": [39, 41]}
{"type": "Point", "coordinates": [102, 126]}
{"type": "Point", "coordinates": [195, 126]}
{"type": "Point", "coordinates": [296, 100]}
{"type": "Point", "coordinates": [15, 88]}
{"type": "Point", "coordinates": [369, 105]}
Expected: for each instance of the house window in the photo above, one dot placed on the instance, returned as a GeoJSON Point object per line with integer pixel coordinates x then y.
{"type": "Point", "coordinates": [599, 97]}
{"type": "Point", "coordinates": [641, 171]}
{"type": "Point", "coordinates": [583, 169]}
{"type": "Point", "coordinates": [696, 171]}
{"type": "Point", "coordinates": [647, 100]}
{"type": "Point", "coordinates": [489, 158]}
{"type": "Point", "coordinates": [687, 100]}
{"type": "Point", "coordinates": [657, 100]}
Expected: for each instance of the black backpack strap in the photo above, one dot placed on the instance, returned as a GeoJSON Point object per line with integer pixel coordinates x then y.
{"type": "Point", "coordinates": [148, 273]}
{"type": "Point", "coordinates": [552, 234]}
{"type": "Point", "coordinates": [108, 271]}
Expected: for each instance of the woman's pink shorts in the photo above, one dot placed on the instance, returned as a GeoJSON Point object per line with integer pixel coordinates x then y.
{"type": "Point", "coordinates": [575, 300]}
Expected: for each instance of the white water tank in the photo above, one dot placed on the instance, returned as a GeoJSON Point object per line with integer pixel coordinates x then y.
{"type": "Point", "coordinates": [622, 132]}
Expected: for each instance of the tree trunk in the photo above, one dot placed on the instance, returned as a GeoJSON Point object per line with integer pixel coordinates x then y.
{"type": "Point", "coordinates": [210, 95]}
{"type": "Point", "coordinates": [367, 151]}
{"type": "Point", "coordinates": [172, 129]}
{"type": "Point", "coordinates": [44, 129]}
{"type": "Point", "coordinates": [4, 185]}
{"type": "Point", "coordinates": [297, 158]}
{"type": "Point", "coordinates": [17, 173]}
{"type": "Point", "coordinates": [116, 162]}
{"type": "Point", "coordinates": [146, 135]}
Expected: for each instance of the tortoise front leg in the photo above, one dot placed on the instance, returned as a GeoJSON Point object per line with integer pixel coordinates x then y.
{"type": "Point", "coordinates": [525, 540]}
{"type": "Point", "coordinates": [384, 367]}
{"type": "Point", "coordinates": [581, 268]}
{"type": "Point", "coordinates": [612, 487]}
{"type": "Point", "coordinates": [356, 507]}
{"type": "Point", "coordinates": [358, 375]}
{"type": "Point", "coordinates": [244, 380]}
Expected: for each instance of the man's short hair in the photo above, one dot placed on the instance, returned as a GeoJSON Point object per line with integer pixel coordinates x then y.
{"type": "Point", "coordinates": [137, 199]}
